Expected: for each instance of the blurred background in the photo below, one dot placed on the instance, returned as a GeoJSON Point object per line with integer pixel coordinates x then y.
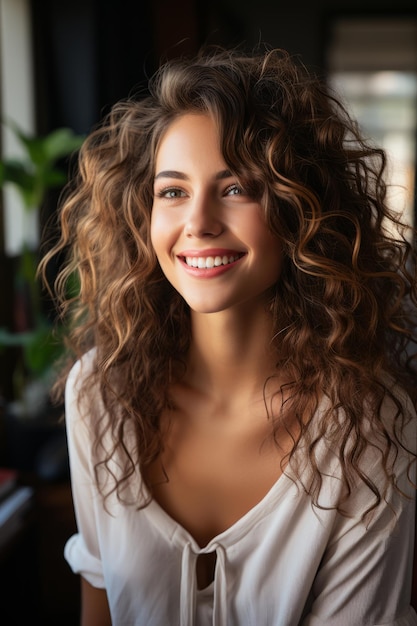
{"type": "Point", "coordinates": [62, 65]}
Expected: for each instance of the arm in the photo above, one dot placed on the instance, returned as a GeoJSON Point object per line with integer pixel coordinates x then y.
{"type": "Point", "coordinates": [94, 606]}
{"type": "Point", "coordinates": [82, 550]}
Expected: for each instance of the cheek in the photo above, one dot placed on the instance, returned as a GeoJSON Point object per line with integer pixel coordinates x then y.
{"type": "Point", "coordinates": [158, 234]}
{"type": "Point", "coordinates": [163, 238]}
{"type": "Point", "coordinates": [158, 245]}
{"type": "Point", "coordinates": [274, 257]}
{"type": "Point", "coordinates": [153, 233]}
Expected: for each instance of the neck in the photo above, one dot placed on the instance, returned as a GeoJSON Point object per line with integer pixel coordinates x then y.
{"type": "Point", "coordinates": [231, 356]}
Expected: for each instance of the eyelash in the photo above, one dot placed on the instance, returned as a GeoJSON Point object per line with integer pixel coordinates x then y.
{"type": "Point", "coordinates": [163, 193]}
{"type": "Point", "coordinates": [234, 186]}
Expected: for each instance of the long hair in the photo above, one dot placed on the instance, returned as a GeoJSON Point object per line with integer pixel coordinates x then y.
{"type": "Point", "coordinates": [344, 307]}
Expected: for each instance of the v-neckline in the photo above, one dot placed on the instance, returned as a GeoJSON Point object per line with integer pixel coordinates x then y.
{"type": "Point", "coordinates": [176, 533]}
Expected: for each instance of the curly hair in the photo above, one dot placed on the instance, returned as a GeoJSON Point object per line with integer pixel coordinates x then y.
{"type": "Point", "coordinates": [344, 308]}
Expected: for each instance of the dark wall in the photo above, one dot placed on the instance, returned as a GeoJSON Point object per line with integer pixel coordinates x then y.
{"type": "Point", "coordinates": [90, 53]}
{"type": "Point", "coordinates": [301, 26]}
{"type": "Point", "coordinates": [86, 53]}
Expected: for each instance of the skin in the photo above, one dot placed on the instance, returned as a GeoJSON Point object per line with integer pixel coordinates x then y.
{"type": "Point", "coordinates": [95, 608]}
{"type": "Point", "coordinates": [217, 454]}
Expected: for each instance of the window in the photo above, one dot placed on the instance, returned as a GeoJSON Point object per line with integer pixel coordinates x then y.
{"type": "Point", "coordinates": [372, 65]}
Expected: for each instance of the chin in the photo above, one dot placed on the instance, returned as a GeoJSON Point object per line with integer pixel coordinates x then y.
{"type": "Point", "coordinates": [205, 309]}
{"type": "Point", "coordinates": [206, 305]}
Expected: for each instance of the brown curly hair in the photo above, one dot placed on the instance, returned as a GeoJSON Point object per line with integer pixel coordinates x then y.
{"type": "Point", "coordinates": [344, 307]}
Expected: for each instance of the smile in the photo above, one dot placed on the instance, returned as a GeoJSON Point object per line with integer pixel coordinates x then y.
{"type": "Point", "coordinates": [208, 262]}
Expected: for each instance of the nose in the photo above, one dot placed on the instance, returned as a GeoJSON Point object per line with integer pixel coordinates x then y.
{"type": "Point", "coordinates": [203, 217]}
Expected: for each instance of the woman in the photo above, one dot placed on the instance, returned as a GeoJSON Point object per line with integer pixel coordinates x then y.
{"type": "Point", "coordinates": [241, 417]}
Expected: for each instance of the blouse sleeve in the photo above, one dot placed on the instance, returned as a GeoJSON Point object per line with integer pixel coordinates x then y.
{"type": "Point", "coordinates": [365, 578]}
{"type": "Point", "coordinates": [82, 549]}
{"type": "Point", "coordinates": [366, 572]}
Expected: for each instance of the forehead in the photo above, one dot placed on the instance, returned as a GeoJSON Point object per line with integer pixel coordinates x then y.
{"type": "Point", "coordinates": [190, 138]}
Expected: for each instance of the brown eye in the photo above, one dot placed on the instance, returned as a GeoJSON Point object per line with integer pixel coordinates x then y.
{"type": "Point", "coordinates": [171, 193]}
{"type": "Point", "coordinates": [234, 190]}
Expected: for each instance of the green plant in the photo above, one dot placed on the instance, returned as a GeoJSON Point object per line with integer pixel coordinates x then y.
{"type": "Point", "coordinates": [36, 172]}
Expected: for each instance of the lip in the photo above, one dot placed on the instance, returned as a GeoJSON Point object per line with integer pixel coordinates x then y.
{"type": "Point", "coordinates": [210, 272]}
{"type": "Point", "coordinates": [210, 252]}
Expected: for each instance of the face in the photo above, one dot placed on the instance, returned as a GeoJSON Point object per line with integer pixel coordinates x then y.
{"type": "Point", "coordinates": [209, 235]}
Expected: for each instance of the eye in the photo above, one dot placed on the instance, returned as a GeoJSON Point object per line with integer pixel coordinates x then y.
{"type": "Point", "coordinates": [171, 193]}
{"type": "Point", "coordinates": [234, 190]}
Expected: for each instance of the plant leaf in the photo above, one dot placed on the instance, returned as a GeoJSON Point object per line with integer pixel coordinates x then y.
{"type": "Point", "coordinates": [42, 351]}
{"type": "Point", "coordinates": [15, 340]}
{"type": "Point", "coordinates": [53, 178]}
{"type": "Point", "coordinates": [33, 145]}
{"type": "Point", "coordinates": [60, 143]}
{"type": "Point", "coordinates": [18, 173]}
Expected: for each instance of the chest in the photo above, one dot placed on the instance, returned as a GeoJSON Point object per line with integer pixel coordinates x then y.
{"type": "Point", "coordinates": [208, 478]}
{"type": "Point", "coordinates": [210, 483]}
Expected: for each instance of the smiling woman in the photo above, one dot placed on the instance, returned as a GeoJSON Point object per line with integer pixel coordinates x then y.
{"type": "Point", "coordinates": [241, 412]}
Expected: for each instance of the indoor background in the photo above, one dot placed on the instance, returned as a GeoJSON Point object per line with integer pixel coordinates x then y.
{"type": "Point", "coordinates": [63, 64]}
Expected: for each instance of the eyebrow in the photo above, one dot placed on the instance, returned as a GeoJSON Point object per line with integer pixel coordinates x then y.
{"type": "Point", "coordinates": [181, 176]}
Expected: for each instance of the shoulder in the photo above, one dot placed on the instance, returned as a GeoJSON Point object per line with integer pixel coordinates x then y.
{"type": "Point", "coordinates": [357, 462]}
{"type": "Point", "coordinates": [100, 442]}
{"type": "Point", "coordinates": [386, 456]}
{"type": "Point", "coordinates": [82, 397]}
{"type": "Point", "coordinates": [81, 370]}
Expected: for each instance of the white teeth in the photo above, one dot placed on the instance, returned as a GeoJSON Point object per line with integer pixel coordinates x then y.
{"type": "Point", "coordinates": [208, 262]}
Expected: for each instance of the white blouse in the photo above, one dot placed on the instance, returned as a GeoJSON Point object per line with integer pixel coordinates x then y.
{"type": "Point", "coordinates": [284, 563]}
